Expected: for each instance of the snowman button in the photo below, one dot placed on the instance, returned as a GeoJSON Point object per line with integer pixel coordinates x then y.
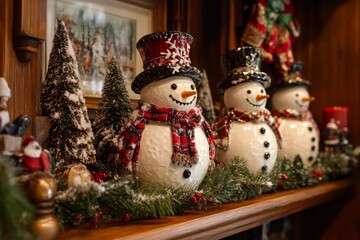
{"type": "Point", "coordinates": [313, 148]}
{"type": "Point", "coordinates": [313, 139]}
{"type": "Point", "coordinates": [310, 129]}
{"type": "Point", "coordinates": [264, 168]}
{"type": "Point", "coordinates": [187, 173]}
{"type": "Point", "coordinates": [262, 130]}
{"type": "Point", "coordinates": [266, 144]}
{"type": "Point", "coordinates": [311, 158]}
{"type": "Point", "coordinates": [267, 155]}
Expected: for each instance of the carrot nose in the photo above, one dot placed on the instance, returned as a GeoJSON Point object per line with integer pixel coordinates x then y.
{"type": "Point", "coordinates": [308, 99]}
{"type": "Point", "coordinates": [261, 97]}
{"type": "Point", "coordinates": [186, 94]}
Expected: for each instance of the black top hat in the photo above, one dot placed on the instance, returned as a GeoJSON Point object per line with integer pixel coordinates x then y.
{"type": "Point", "coordinates": [242, 65]}
{"type": "Point", "coordinates": [293, 78]}
{"type": "Point", "coordinates": [164, 55]}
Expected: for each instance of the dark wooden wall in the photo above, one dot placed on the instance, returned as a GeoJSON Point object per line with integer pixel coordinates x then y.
{"type": "Point", "coordinates": [22, 31]}
{"type": "Point", "coordinates": [330, 47]}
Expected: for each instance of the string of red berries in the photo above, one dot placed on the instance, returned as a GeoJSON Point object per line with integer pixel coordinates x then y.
{"type": "Point", "coordinates": [283, 177]}
{"type": "Point", "coordinates": [198, 201]}
{"type": "Point", "coordinates": [317, 174]}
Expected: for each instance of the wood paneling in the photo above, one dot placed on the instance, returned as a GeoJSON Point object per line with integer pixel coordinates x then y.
{"type": "Point", "coordinates": [329, 45]}
{"type": "Point", "coordinates": [23, 78]}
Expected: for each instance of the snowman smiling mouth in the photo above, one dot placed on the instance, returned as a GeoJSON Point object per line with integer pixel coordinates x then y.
{"type": "Point", "coordinates": [255, 105]}
{"type": "Point", "coordinates": [299, 104]}
{"type": "Point", "coordinates": [182, 103]}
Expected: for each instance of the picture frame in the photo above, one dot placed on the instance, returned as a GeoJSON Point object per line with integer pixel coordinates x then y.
{"type": "Point", "coordinates": [95, 26]}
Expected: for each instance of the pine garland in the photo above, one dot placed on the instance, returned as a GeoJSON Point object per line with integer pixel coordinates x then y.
{"type": "Point", "coordinates": [15, 210]}
{"type": "Point", "coordinates": [127, 198]}
{"type": "Point", "coordinates": [118, 199]}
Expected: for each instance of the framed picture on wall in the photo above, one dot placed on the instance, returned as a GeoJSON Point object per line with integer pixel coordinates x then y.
{"type": "Point", "coordinates": [98, 31]}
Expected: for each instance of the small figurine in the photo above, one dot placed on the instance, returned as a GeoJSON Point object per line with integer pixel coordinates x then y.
{"type": "Point", "coordinates": [246, 128]}
{"type": "Point", "coordinates": [10, 132]}
{"type": "Point", "coordinates": [167, 140]}
{"type": "Point", "coordinates": [34, 158]}
{"type": "Point", "coordinates": [5, 94]}
{"type": "Point", "coordinates": [335, 130]}
{"type": "Point", "coordinates": [290, 103]}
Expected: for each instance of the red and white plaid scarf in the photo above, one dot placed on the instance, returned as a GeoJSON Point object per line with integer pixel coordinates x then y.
{"type": "Point", "coordinates": [301, 115]}
{"type": "Point", "coordinates": [221, 126]}
{"type": "Point", "coordinates": [182, 125]}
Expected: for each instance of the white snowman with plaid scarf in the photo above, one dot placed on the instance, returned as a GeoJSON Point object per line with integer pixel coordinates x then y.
{"type": "Point", "coordinates": [290, 103]}
{"type": "Point", "coordinates": [246, 128]}
{"type": "Point", "coordinates": [167, 141]}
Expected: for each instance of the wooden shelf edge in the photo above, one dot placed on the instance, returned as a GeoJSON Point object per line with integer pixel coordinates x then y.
{"type": "Point", "coordinates": [220, 221]}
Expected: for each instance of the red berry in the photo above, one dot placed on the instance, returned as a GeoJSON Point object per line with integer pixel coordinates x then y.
{"type": "Point", "coordinates": [284, 177]}
{"type": "Point", "coordinates": [314, 175]}
{"type": "Point", "coordinates": [126, 218]}
{"type": "Point", "coordinates": [280, 183]}
{"type": "Point", "coordinates": [78, 217]}
{"type": "Point", "coordinates": [198, 196]}
{"type": "Point", "coordinates": [194, 200]}
{"type": "Point", "coordinates": [204, 200]}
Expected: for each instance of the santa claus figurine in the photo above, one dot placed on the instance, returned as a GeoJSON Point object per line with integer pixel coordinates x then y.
{"type": "Point", "coordinates": [34, 158]}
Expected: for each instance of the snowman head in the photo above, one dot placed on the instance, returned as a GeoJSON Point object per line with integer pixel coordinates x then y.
{"type": "Point", "coordinates": [242, 65]}
{"type": "Point", "coordinates": [32, 147]}
{"type": "Point", "coordinates": [247, 96]}
{"type": "Point", "coordinates": [295, 97]}
{"type": "Point", "coordinates": [165, 55]}
{"type": "Point", "coordinates": [178, 93]}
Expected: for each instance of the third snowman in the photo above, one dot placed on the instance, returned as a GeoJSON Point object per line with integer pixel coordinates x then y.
{"type": "Point", "coordinates": [290, 102]}
{"type": "Point", "coordinates": [246, 128]}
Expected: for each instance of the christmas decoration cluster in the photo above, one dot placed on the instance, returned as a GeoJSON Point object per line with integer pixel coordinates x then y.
{"type": "Point", "coordinates": [171, 153]}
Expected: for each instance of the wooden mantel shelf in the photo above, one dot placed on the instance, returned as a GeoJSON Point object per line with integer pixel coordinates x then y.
{"type": "Point", "coordinates": [218, 221]}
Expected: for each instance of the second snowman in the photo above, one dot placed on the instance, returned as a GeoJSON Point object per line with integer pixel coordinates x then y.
{"type": "Point", "coordinates": [246, 128]}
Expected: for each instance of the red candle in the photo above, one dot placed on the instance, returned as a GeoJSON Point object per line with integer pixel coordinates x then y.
{"type": "Point", "coordinates": [338, 113]}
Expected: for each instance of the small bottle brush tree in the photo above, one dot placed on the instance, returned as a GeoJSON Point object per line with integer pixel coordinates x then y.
{"type": "Point", "coordinates": [114, 110]}
{"type": "Point", "coordinates": [205, 99]}
{"type": "Point", "coordinates": [70, 136]}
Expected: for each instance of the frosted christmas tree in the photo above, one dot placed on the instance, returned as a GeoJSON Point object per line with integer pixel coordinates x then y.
{"type": "Point", "coordinates": [70, 136]}
{"type": "Point", "coordinates": [115, 109]}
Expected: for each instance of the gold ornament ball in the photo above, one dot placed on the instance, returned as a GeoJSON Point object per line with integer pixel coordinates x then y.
{"type": "Point", "coordinates": [41, 187]}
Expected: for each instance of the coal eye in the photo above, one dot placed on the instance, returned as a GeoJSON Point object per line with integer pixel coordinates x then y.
{"type": "Point", "coordinates": [248, 91]}
{"type": "Point", "coordinates": [296, 95]}
{"type": "Point", "coordinates": [262, 91]}
{"type": "Point", "coordinates": [173, 86]}
{"type": "Point", "coordinates": [192, 87]}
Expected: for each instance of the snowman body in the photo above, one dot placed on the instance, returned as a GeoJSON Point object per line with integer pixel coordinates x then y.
{"type": "Point", "coordinates": [253, 142]}
{"type": "Point", "coordinates": [300, 137]}
{"type": "Point", "coordinates": [156, 145]}
{"type": "Point", "coordinates": [155, 164]}
{"type": "Point", "coordinates": [256, 143]}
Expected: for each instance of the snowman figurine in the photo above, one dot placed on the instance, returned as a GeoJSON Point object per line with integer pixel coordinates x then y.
{"type": "Point", "coordinates": [246, 128]}
{"type": "Point", "coordinates": [167, 140]}
{"type": "Point", "coordinates": [290, 102]}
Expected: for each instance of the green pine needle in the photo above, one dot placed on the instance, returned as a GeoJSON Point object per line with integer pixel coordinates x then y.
{"type": "Point", "coordinates": [16, 211]}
